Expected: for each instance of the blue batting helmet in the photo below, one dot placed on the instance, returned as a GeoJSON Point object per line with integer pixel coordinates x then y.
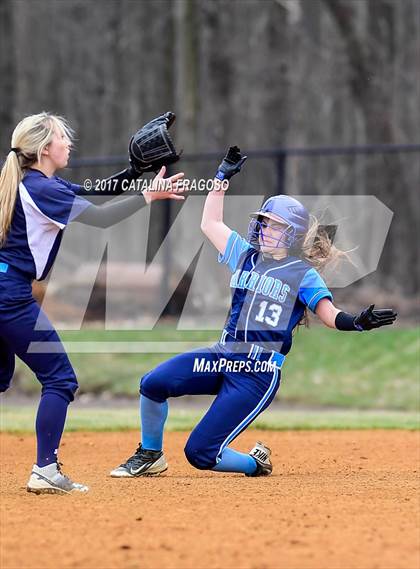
{"type": "Point", "coordinates": [285, 210]}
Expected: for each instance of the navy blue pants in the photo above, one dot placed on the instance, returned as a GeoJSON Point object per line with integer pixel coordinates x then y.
{"type": "Point", "coordinates": [240, 396]}
{"type": "Point", "coordinates": [19, 316]}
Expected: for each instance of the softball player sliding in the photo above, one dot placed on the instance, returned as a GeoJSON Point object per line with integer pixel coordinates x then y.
{"type": "Point", "coordinates": [274, 280]}
{"type": "Point", "coordinates": [35, 207]}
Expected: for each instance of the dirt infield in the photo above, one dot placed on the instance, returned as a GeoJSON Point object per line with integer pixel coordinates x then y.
{"type": "Point", "coordinates": [336, 500]}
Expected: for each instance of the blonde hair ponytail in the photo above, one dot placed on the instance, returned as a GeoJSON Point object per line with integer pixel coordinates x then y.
{"type": "Point", "coordinates": [29, 139]}
{"type": "Point", "coordinates": [318, 248]}
{"type": "Point", "coordinates": [10, 178]}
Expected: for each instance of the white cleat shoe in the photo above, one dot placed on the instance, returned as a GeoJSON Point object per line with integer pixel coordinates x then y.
{"type": "Point", "coordinates": [50, 480]}
{"type": "Point", "coordinates": [261, 454]}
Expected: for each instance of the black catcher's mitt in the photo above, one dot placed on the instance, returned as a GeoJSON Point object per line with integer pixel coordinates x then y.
{"type": "Point", "coordinates": [152, 147]}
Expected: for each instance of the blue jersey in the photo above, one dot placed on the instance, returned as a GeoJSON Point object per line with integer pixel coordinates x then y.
{"type": "Point", "coordinates": [269, 296]}
{"type": "Point", "coordinates": [44, 206]}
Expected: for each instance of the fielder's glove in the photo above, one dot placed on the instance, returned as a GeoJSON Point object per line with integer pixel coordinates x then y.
{"type": "Point", "coordinates": [231, 164]}
{"type": "Point", "coordinates": [152, 147]}
{"type": "Point", "coordinates": [370, 318]}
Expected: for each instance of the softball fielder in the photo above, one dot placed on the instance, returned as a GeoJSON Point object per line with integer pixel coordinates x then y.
{"type": "Point", "coordinates": [274, 281]}
{"type": "Point", "coordinates": [35, 207]}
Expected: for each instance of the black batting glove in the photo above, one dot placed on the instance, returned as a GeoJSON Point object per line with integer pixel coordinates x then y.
{"type": "Point", "coordinates": [231, 164]}
{"type": "Point", "coordinates": [370, 318]}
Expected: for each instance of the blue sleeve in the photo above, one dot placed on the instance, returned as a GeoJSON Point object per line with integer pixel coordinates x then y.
{"type": "Point", "coordinates": [235, 246]}
{"type": "Point", "coordinates": [76, 188]}
{"type": "Point", "coordinates": [58, 201]}
{"type": "Point", "coordinates": [312, 289]}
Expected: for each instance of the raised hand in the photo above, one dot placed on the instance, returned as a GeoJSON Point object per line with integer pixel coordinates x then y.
{"type": "Point", "coordinates": [165, 188]}
{"type": "Point", "coordinates": [231, 164]}
{"type": "Point", "coordinates": [371, 318]}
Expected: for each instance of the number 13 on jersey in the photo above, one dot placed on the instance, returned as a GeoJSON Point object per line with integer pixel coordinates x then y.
{"type": "Point", "coordinates": [269, 313]}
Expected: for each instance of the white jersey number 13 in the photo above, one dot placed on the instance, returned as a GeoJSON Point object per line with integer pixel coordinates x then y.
{"type": "Point", "coordinates": [274, 313]}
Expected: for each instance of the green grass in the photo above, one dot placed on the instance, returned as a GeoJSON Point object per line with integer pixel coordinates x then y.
{"type": "Point", "coordinates": [379, 369]}
{"type": "Point", "coordinates": [21, 420]}
{"type": "Point", "coordinates": [375, 370]}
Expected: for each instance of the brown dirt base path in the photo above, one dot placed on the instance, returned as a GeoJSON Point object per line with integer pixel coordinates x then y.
{"type": "Point", "coordinates": [338, 500]}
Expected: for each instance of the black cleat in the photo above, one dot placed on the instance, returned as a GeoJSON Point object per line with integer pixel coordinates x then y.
{"type": "Point", "coordinates": [143, 463]}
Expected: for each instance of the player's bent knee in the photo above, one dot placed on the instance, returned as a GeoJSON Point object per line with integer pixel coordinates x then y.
{"type": "Point", "coordinates": [57, 375]}
{"type": "Point", "coordinates": [154, 387]}
{"type": "Point", "coordinates": [199, 456]}
{"type": "Point", "coordinates": [65, 388]}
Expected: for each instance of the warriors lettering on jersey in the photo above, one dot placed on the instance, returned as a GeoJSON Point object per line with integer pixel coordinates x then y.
{"type": "Point", "coordinates": [261, 284]}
